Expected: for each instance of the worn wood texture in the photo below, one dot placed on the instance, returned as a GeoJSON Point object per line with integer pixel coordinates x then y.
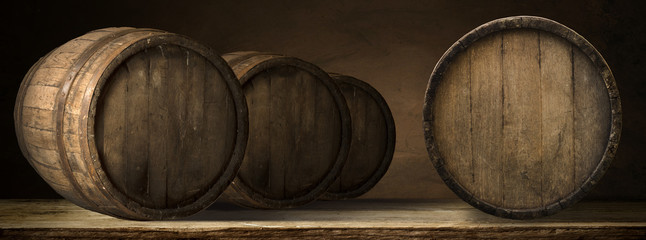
{"type": "Point", "coordinates": [521, 117]}
{"type": "Point", "coordinates": [134, 123]}
{"type": "Point", "coordinates": [373, 139]}
{"type": "Point", "coordinates": [351, 219]}
{"type": "Point", "coordinates": [299, 131]}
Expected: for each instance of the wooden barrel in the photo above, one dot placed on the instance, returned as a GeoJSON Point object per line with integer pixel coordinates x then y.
{"type": "Point", "coordinates": [134, 123]}
{"type": "Point", "coordinates": [522, 117]}
{"type": "Point", "coordinates": [299, 131]}
{"type": "Point", "coordinates": [373, 139]}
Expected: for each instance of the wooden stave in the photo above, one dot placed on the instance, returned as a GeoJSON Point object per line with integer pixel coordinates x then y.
{"type": "Point", "coordinates": [523, 22]}
{"type": "Point", "coordinates": [390, 143]}
{"type": "Point", "coordinates": [109, 200]}
{"type": "Point", "coordinates": [246, 64]}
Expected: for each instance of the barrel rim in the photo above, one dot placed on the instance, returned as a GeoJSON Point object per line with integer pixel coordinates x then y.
{"type": "Point", "coordinates": [261, 62]}
{"type": "Point", "coordinates": [87, 124]}
{"type": "Point", "coordinates": [391, 135]}
{"type": "Point", "coordinates": [523, 22]}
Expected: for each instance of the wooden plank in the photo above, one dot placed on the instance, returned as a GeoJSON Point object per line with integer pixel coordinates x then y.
{"type": "Point", "coordinates": [255, 166]}
{"type": "Point", "coordinates": [297, 129]}
{"type": "Point", "coordinates": [158, 126]}
{"type": "Point", "coordinates": [591, 116]}
{"type": "Point", "coordinates": [39, 137]}
{"type": "Point", "coordinates": [281, 143]}
{"type": "Point", "coordinates": [486, 118]}
{"type": "Point", "coordinates": [557, 118]}
{"type": "Point", "coordinates": [522, 115]}
{"type": "Point", "coordinates": [40, 97]}
{"type": "Point", "coordinates": [442, 219]}
{"type": "Point", "coordinates": [208, 151]}
{"type": "Point", "coordinates": [136, 143]}
{"type": "Point", "coordinates": [38, 118]}
{"type": "Point", "coordinates": [453, 121]}
{"type": "Point", "coordinates": [197, 171]}
{"type": "Point", "coordinates": [44, 75]}
{"type": "Point", "coordinates": [308, 165]}
{"type": "Point", "coordinates": [176, 142]}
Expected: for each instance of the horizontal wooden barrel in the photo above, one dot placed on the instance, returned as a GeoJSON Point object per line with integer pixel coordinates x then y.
{"type": "Point", "coordinates": [134, 123]}
{"type": "Point", "coordinates": [522, 117]}
{"type": "Point", "coordinates": [373, 139]}
{"type": "Point", "coordinates": [299, 131]}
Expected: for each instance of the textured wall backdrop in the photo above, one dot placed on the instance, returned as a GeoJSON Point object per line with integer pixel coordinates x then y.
{"type": "Point", "coordinates": [393, 45]}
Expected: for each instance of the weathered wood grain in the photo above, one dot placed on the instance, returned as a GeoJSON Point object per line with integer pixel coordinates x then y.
{"type": "Point", "coordinates": [454, 120]}
{"type": "Point", "coordinates": [557, 117]}
{"type": "Point", "coordinates": [352, 219]}
{"type": "Point", "coordinates": [299, 131]}
{"type": "Point", "coordinates": [522, 112]}
{"type": "Point", "coordinates": [122, 124]}
{"type": "Point", "coordinates": [137, 148]}
{"type": "Point", "coordinates": [487, 117]}
{"type": "Point", "coordinates": [591, 120]}
{"type": "Point", "coordinates": [521, 117]}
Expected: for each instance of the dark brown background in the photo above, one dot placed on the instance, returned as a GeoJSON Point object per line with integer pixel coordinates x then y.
{"type": "Point", "coordinates": [393, 45]}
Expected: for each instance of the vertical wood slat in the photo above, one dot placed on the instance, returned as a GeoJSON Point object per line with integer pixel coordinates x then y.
{"type": "Point", "coordinates": [159, 127]}
{"type": "Point", "coordinates": [522, 114]}
{"type": "Point", "coordinates": [194, 173]}
{"type": "Point", "coordinates": [297, 133]}
{"type": "Point", "coordinates": [557, 117]}
{"type": "Point", "coordinates": [486, 117]}
{"type": "Point", "coordinates": [176, 99]}
{"type": "Point", "coordinates": [453, 110]}
{"type": "Point", "coordinates": [555, 110]}
{"type": "Point", "coordinates": [259, 110]}
{"type": "Point", "coordinates": [281, 130]}
{"type": "Point", "coordinates": [137, 114]}
{"type": "Point", "coordinates": [591, 116]}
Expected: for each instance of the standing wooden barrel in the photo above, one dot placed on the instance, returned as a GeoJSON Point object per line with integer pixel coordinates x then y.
{"type": "Point", "coordinates": [299, 131]}
{"type": "Point", "coordinates": [134, 123]}
{"type": "Point", "coordinates": [522, 117]}
{"type": "Point", "coordinates": [373, 139]}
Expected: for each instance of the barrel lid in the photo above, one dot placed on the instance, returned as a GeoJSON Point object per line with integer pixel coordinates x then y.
{"type": "Point", "coordinates": [127, 205]}
{"type": "Point", "coordinates": [444, 162]}
{"type": "Point", "coordinates": [248, 66]}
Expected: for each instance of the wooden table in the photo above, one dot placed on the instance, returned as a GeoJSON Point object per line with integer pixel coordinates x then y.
{"type": "Point", "coordinates": [369, 218]}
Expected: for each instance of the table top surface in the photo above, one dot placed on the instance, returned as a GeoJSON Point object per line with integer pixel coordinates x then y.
{"type": "Point", "coordinates": [361, 213]}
